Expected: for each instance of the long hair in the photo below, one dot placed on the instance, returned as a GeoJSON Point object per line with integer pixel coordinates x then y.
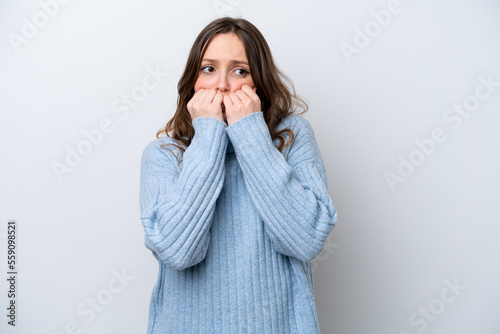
{"type": "Point", "coordinates": [275, 90]}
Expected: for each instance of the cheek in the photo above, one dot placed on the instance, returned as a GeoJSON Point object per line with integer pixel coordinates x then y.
{"type": "Point", "coordinates": [248, 82]}
{"type": "Point", "coordinates": [201, 84]}
{"type": "Point", "coordinates": [205, 83]}
{"type": "Point", "coordinates": [251, 83]}
{"type": "Point", "coordinates": [197, 85]}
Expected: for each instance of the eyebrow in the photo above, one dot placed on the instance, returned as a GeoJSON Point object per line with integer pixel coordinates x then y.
{"type": "Point", "coordinates": [232, 61]}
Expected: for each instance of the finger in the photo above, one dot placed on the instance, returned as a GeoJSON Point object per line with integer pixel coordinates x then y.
{"type": "Point", "coordinates": [197, 94]}
{"type": "Point", "coordinates": [191, 100]}
{"type": "Point", "coordinates": [251, 92]}
{"type": "Point", "coordinates": [218, 99]}
{"type": "Point", "coordinates": [244, 98]}
{"type": "Point", "coordinates": [193, 104]}
{"type": "Point", "coordinates": [234, 98]}
{"type": "Point", "coordinates": [209, 96]}
{"type": "Point", "coordinates": [202, 95]}
{"type": "Point", "coordinates": [228, 102]}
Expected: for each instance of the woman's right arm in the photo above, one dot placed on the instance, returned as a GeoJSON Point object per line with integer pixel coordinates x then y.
{"type": "Point", "coordinates": [177, 209]}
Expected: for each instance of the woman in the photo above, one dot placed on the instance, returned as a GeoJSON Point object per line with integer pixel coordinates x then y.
{"type": "Point", "coordinates": [233, 214]}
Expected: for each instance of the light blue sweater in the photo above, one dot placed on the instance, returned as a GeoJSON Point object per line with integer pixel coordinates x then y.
{"type": "Point", "coordinates": [235, 228]}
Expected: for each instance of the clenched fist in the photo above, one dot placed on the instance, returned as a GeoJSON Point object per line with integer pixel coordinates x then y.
{"type": "Point", "coordinates": [206, 103]}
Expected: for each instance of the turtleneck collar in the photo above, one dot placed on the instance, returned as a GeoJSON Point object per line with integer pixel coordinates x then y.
{"type": "Point", "coordinates": [230, 147]}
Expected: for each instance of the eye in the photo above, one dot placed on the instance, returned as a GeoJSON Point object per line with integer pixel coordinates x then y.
{"type": "Point", "coordinates": [207, 69]}
{"type": "Point", "coordinates": [241, 72]}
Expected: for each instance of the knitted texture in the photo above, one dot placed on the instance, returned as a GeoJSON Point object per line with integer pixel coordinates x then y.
{"type": "Point", "coordinates": [234, 228]}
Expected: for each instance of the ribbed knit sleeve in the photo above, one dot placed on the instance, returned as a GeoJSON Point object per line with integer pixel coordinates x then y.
{"type": "Point", "coordinates": [290, 194]}
{"type": "Point", "coordinates": [177, 207]}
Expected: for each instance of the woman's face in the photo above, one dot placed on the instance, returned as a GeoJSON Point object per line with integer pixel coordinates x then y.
{"type": "Point", "coordinates": [224, 66]}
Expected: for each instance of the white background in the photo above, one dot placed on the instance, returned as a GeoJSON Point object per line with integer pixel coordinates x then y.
{"type": "Point", "coordinates": [387, 261]}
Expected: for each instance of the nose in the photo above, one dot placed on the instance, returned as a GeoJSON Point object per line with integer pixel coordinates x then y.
{"type": "Point", "coordinates": [223, 84]}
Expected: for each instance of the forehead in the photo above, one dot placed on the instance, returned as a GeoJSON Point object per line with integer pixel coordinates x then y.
{"type": "Point", "coordinates": [226, 46]}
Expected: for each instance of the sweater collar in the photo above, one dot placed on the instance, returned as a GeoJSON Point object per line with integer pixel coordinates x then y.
{"type": "Point", "coordinates": [230, 147]}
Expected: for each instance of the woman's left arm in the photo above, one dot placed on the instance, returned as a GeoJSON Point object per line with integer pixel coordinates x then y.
{"type": "Point", "coordinates": [291, 195]}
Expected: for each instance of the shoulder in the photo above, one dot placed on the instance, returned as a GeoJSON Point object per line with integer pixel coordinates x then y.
{"type": "Point", "coordinates": [298, 123]}
{"type": "Point", "coordinates": [304, 146]}
{"type": "Point", "coordinates": [301, 127]}
{"type": "Point", "coordinates": [158, 153]}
